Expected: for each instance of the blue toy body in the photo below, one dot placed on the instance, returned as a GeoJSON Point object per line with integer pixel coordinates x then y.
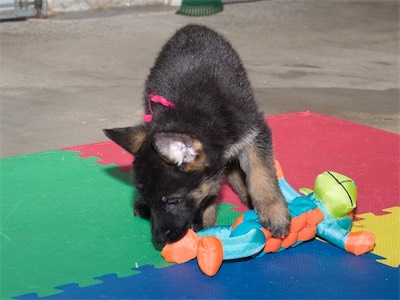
{"type": "Point", "coordinates": [247, 239]}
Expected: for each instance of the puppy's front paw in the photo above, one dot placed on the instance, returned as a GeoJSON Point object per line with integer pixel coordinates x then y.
{"type": "Point", "coordinates": [276, 219]}
{"type": "Point", "coordinates": [141, 209]}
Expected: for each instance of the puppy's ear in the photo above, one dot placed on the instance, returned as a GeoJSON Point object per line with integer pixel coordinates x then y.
{"type": "Point", "coordinates": [180, 149]}
{"type": "Point", "coordinates": [129, 138]}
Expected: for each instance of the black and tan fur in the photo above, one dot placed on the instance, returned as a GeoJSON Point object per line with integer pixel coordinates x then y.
{"type": "Point", "coordinates": [215, 129]}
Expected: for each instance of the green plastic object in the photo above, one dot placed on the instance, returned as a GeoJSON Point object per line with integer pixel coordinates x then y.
{"type": "Point", "coordinates": [337, 192]}
{"type": "Point", "coordinates": [199, 8]}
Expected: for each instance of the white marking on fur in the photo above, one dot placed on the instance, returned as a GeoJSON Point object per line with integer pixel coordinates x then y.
{"type": "Point", "coordinates": [189, 155]}
{"type": "Point", "coordinates": [235, 149]}
{"type": "Point", "coordinates": [181, 153]}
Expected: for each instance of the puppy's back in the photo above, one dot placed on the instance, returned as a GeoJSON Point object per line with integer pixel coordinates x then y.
{"type": "Point", "coordinates": [198, 64]}
{"type": "Point", "coordinates": [195, 46]}
{"type": "Point", "coordinates": [198, 53]}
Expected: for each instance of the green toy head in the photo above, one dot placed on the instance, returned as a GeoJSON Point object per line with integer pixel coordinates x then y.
{"type": "Point", "coordinates": [337, 192]}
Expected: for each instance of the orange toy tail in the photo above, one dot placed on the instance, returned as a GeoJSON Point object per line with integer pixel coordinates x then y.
{"type": "Point", "coordinates": [183, 250]}
{"type": "Point", "coordinates": [210, 255]}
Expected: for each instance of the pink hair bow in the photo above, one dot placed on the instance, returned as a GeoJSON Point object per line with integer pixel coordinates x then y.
{"type": "Point", "coordinates": [152, 97]}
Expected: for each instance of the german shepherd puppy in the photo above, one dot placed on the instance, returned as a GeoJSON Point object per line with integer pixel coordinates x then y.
{"type": "Point", "coordinates": [201, 124]}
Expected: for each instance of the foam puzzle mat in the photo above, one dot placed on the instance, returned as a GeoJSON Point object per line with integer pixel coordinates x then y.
{"type": "Point", "coordinates": [67, 229]}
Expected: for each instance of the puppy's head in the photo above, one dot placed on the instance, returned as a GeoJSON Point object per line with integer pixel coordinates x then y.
{"type": "Point", "coordinates": [172, 175]}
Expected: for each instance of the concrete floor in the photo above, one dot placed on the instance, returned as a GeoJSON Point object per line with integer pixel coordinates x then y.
{"type": "Point", "coordinates": [65, 78]}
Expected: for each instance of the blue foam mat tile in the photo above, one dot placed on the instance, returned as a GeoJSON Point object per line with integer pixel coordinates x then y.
{"type": "Point", "coordinates": [314, 270]}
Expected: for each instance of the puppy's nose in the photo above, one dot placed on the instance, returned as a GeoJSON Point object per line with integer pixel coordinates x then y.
{"type": "Point", "coordinates": [161, 236]}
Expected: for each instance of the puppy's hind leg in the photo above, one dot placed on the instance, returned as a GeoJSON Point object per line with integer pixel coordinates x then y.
{"type": "Point", "coordinates": [210, 212]}
{"type": "Point", "coordinates": [237, 180]}
{"type": "Point", "coordinates": [258, 164]}
{"type": "Point", "coordinates": [206, 216]}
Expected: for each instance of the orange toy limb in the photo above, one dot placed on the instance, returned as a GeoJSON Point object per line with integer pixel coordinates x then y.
{"type": "Point", "coordinates": [307, 233]}
{"type": "Point", "coordinates": [289, 240]}
{"type": "Point", "coordinates": [183, 250]}
{"type": "Point", "coordinates": [210, 255]}
{"type": "Point", "coordinates": [298, 223]}
{"type": "Point", "coordinates": [302, 228]}
{"type": "Point", "coordinates": [314, 217]}
{"type": "Point", "coordinates": [237, 222]}
{"type": "Point", "coordinates": [273, 245]}
{"type": "Point", "coordinates": [279, 171]}
{"type": "Point", "coordinates": [359, 242]}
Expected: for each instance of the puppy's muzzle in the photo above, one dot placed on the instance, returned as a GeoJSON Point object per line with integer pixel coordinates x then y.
{"type": "Point", "coordinates": [167, 235]}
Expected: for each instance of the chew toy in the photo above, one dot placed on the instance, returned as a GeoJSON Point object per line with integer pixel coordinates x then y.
{"type": "Point", "coordinates": [325, 212]}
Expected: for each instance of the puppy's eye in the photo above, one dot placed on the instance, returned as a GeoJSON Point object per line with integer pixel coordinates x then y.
{"type": "Point", "coordinates": [170, 200]}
